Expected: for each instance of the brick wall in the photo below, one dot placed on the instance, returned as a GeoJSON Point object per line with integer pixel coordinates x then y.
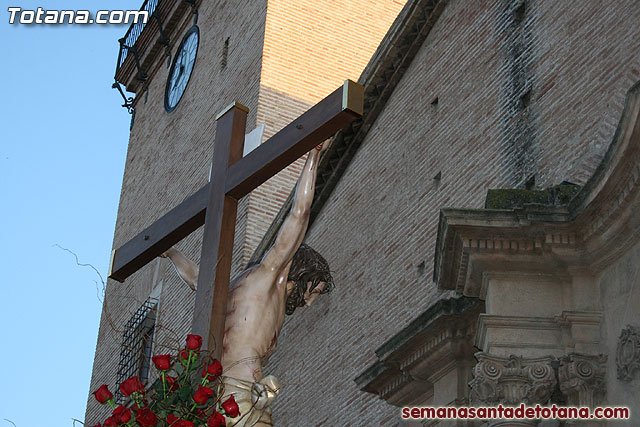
{"type": "Point", "coordinates": [169, 158]}
{"type": "Point", "coordinates": [310, 48]}
{"type": "Point", "coordinates": [520, 92]}
{"type": "Point", "coordinates": [170, 154]}
{"type": "Point", "coordinates": [585, 62]}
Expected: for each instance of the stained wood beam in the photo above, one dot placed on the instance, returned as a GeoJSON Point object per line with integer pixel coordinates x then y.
{"type": "Point", "coordinates": [311, 128]}
{"type": "Point", "coordinates": [219, 229]}
{"type": "Point", "coordinates": [172, 227]}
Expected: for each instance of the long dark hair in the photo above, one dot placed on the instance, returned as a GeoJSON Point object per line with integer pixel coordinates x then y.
{"type": "Point", "coordinates": [307, 266]}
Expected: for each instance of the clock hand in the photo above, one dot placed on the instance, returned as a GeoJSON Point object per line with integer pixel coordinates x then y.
{"type": "Point", "coordinates": [179, 71]}
{"type": "Point", "coordinates": [182, 67]}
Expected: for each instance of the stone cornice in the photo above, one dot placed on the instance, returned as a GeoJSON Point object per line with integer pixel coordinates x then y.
{"type": "Point", "coordinates": [423, 352]}
{"type": "Point", "coordinates": [591, 230]}
{"type": "Point", "coordinates": [558, 330]}
{"type": "Point", "coordinates": [379, 78]}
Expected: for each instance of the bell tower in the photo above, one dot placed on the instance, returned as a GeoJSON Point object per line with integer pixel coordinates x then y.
{"type": "Point", "coordinates": [192, 58]}
{"type": "Point", "coordinates": [184, 65]}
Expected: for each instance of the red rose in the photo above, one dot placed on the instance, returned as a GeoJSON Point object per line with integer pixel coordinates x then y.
{"type": "Point", "coordinates": [194, 342]}
{"type": "Point", "coordinates": [231, 407]}
{"type": "Point", "coordinates": [176, 422]}
{"type": "Point", "coordinates": [131, 385]}
{"type": "Point", "coordinates": [111, 422]}
{"type": "Point", "coordinates": [185, 354]}
{"type": "Point", "coordinates": [213, 369]}
{"type": "Point", "coordinates": [202, 394]}
{"type": "Point", "coordinates": [162, 361]}
{"type": "Point", "coordinates": [146, 418]}
{"type": "Point", "coordinates": [216, 420]}
{"type": "Point", "coordinates": [173, 383]}
{"type": "Point", "coordinates": [122, 414]}
{"type": "Point", "coordinates": [103, 394]}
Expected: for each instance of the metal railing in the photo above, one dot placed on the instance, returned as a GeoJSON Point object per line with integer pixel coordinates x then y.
{"type": "Point", "coordinates": [131, 37]}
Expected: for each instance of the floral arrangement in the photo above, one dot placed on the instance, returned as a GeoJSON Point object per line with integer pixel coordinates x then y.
{"type": "Point", "coordinates": [183, 399]}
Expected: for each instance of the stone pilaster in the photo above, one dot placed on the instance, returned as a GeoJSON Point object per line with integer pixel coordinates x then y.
{"type": "Point", "coordinates": [510, 381]}
{"type": "Point", "coordinates": [582, 379]}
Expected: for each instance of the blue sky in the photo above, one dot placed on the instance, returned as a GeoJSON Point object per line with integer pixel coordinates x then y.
{"type": "Point", "coordinates": [62, 152]}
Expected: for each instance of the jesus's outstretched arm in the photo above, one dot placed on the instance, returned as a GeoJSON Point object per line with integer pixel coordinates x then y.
{"type": "Point", "coordinates": [295, 226]}
{"type": "Point", "coordinates": [187, 269]}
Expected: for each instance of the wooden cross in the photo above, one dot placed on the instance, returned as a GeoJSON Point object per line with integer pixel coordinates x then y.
{"type": "Point", "coordinates": [215, 204]}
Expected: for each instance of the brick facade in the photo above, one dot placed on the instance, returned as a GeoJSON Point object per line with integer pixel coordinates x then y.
{"type": "Point", "coordinates": [378, 229]}
{"type": "Point", "coordinates": [247, 52]}
{"type": "Point", "coordinates": [310, 48]}
{"type": "Point", "coordinates": [501, 94]}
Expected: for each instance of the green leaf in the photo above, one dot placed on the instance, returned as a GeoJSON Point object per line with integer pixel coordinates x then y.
{"type": "Point", "coordinates": [179, 369]}
{"type": "Point", "coordinates": [157, 386]}
{"type": "Point", "coordinates": [184, 393]}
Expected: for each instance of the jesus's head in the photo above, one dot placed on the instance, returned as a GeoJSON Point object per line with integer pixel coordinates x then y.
{"type": "Point", "coordinates": [309, 276]}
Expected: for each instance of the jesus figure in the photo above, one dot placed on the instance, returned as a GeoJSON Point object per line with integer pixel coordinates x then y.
{"type": "Point", "coordinates": [290, 275]}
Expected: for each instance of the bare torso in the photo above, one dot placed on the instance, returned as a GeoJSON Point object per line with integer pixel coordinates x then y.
{"type": "Point", "coordinates": [255, 314]}
{"type": "Point", "coordinates": [257, 298]}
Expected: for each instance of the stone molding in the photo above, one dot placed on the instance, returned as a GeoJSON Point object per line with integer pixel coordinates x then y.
{"type": "Point", "coordinates": [437, 343]}
{"type": "Point", "coordinates": [570, 331]}
{"type": "Point", "coordinates": [512, 380]}
{"type": "Point", "coordinates": [548, 326]}
{"type": "Point", "coordinates": [582, 379]}
{"type": "Point", "coordinates": [591, 231]}
{"type": "Point", "coordinates": [628, 354]}
{"type": "Point", "coordinates": [581, 330]}
{"type": "Point", "coordinates": [395, 385]}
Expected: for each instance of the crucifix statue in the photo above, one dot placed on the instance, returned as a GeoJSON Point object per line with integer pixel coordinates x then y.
{"type": "Point", "coordinates": [242, 331]}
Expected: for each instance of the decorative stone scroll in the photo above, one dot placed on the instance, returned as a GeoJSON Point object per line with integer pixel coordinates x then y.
{"type": "Point", "coordinates": [512, 380]}
{"type": "Point", "coordinates": [582, 379]}
{"type": "Point", "coordinates": [628, 354]}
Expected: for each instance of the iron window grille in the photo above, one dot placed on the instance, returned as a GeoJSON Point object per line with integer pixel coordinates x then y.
{"type": "Point", "coordinates": [137, 342]}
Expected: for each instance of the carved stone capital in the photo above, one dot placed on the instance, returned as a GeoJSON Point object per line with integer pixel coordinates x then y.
{"type": "Point", "coordinates": [582, 378]}
{"type": "Point", "coordinates": [512, 380]}
{"type": "Point", "coordinates": [628, 354]}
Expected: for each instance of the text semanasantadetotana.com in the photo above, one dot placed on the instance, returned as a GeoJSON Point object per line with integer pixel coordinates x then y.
{"type": "Point", "coordinates": [521, 412]}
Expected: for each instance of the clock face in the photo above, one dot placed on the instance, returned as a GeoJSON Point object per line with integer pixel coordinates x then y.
{"type": "Point", "coordinates": [181, 69]}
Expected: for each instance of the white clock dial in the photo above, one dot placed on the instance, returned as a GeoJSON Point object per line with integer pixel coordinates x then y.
{"type": "Point", "coordinates": [181, 69]}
